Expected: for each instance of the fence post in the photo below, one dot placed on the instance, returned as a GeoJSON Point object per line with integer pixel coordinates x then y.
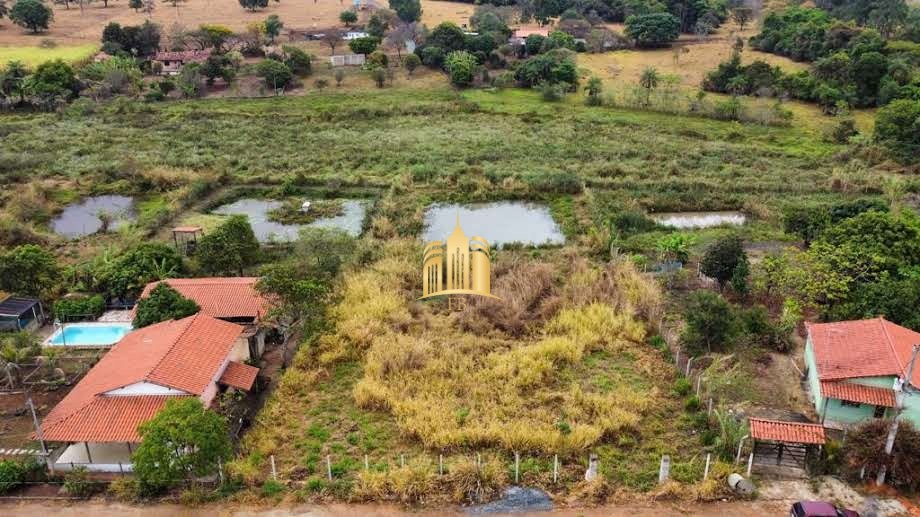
{"type": "Point", "coordinates": [328, 468]}
{"type": "Point", "coordinates": [555, 467]}
{"type": "Point", "coordinates": [517, 466]}
{"type": "Point", "coordinates": [402, 460]}
{"type": "Point", "coordinates": [478, 460]}
{"type": "Point", "coordinates": [706, 470]}
{"type": "Point", "coordinates": [699, 381]}
{"type": "Point", "coordinates": [750, 463]}
{"type": "Point", "coordinates": [220, 471]}
{"type": "Point", "coordinates": [677, 359]}
{"type": "Point", "coordinates": [689, 362]}
{"type": "Point", "coordinates": [664, 469]}
{"type": "Point", "coordinates": [709, 411]}
{"type": "Point", "coordinates": [440, 464]}
{"type": "Point", "coordinates": [366, 464]}
{"type": "Point", "coordinates": [274, 470]}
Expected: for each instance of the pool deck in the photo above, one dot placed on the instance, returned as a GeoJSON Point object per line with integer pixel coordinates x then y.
{"type": "Point", "coordinates": [116, 317]}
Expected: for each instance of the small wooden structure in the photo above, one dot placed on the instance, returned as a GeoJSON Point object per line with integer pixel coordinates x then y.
{"type": "Point", "coordinates": [347, 60]}
{"type": "Point", "coordinates": [785, 445]}
{"type": "Point", "coordinates": [19, 313]}
{"type": "Point", "coordinates": [186, 239]}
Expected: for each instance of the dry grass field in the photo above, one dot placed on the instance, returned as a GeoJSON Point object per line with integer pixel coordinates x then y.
{"type": "Point", "coordinates": [75, 26]}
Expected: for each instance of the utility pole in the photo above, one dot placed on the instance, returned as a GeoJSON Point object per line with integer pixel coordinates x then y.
{"type": "Point", "coordinates": [893, 428]}
{"type": "Point", "coordinates": [38, 431]}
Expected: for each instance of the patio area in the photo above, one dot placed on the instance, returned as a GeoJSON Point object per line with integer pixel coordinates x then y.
{"type": "Point", "coordinates": [96, 457]}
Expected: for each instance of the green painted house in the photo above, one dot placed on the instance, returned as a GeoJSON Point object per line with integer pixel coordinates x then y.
{"type": "Point", "coordinates": [857, 369]}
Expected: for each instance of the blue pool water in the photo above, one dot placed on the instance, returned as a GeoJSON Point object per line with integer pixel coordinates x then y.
{"type": "Point", "coordinates": [77, 334]}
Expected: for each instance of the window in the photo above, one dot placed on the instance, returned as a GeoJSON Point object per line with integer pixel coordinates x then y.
{"type": "Point", "coordinates": [879, 412]}
{"type": "Point", "coordinates": [849, 403]}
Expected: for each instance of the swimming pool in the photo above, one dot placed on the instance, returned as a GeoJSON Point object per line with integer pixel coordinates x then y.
{"type": "Point", "coordinates": [89, 334]}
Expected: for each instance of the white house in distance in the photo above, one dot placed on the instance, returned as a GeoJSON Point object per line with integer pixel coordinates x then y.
{"type": "Point", "coordinates": [198, 356]}
{"type": "Point", "coordinates": [233, 299]}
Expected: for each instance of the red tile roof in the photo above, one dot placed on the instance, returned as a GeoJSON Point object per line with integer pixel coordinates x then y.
{"type": "Point", "coordinates": [184, 355]}
{"type": "Point", "coordinates": [861, 393]}
{"type": "Point", "coordinates": [221, 297]}
{"type": "Point", "coordinates": [239, 375]}
{"type": "Point", "coordinates": [863, 348]}
{"type": "Point", "coordinates": [786, 432]}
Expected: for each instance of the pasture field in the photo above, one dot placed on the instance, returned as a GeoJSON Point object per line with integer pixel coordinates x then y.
{"type": "Point", "coordinates": [34, 56]}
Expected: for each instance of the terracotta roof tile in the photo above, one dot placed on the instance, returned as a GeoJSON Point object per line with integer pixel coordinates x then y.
{"type": "Point", "coordinates": [787, 432]}
{"type": "Point", "coordinates": [861, 393]}
{"type": "Point", "coordinates": [184, 355]}
{"type": "Point", "coordinates": [862, 348]}
{"type": "Point", "coordinates": [221, 297]}
{"type": "Point", "coordinates": [107, 419]}
{"type": "Point", "coordinates": [239, 375]}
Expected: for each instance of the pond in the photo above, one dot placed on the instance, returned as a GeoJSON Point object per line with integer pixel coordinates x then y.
{"type": "Point", "coordinates": [693, 220]}
{"type": "Point", "coordinates": [499, 223]}
{"type": "Point", "coordinates": [80, 219]}
{"type": "Point", "coordinates": [350, 221]}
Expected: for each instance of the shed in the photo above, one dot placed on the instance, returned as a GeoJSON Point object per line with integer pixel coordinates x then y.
{"type": "Point", "coordinates": [787, 445]}
{"type": "Point", "coordinates": [19, 313]}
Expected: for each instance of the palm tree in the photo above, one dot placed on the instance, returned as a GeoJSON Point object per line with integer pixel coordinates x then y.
{"type": "Point", "coordinates": [649, 81]}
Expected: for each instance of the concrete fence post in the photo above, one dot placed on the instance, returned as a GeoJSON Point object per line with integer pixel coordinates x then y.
{"type": "Point", "coordinates": [274, 470]}
{"type": "Point", "coordinates": [367, 465]}
{"type": "Point", "coordinates": [555, 468]}
{"type": "Point", "coordinates": [440, 464]}
{"type": "Point", "coordinates": [517, 466]}
{"type": "Point", "coordinates": [706, 469]}
{"type": "Point", "coordinates": [750, 463]}
{"type": "Point", "coordinates": [664, 469]}
{"type": "Point", "coordinates": [328, 467]}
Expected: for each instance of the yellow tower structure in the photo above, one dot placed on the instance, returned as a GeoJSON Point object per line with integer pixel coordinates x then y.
{"type": "Point", "coordinates": [458, 266]}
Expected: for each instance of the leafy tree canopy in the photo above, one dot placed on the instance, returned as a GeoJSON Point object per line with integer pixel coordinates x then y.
{"type": "Point", "coordinates": [233, 247]}
{"type": "Point", "coordinates": [164, 303]}
{"type": "Point", "coordinates": [28, 270]}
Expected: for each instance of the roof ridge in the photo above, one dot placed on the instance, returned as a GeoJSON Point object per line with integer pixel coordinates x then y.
{"type": "Point", "coordinates": [193, 318]}
{"type": "Point", "coordinates": [894, 352]}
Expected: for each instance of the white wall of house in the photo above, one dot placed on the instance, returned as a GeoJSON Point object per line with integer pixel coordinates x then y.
{"type": "Point", "coordinates": [143, 388]}
{"type": "Point", "coordinates": [240, 350]}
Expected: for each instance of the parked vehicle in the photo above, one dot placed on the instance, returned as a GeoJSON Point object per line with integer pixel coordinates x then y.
{"type": "Point", "coordinates": [819, 509]}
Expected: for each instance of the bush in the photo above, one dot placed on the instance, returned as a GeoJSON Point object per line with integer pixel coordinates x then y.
{"type": "Point", "coordinates": [271, 488]}
{"type": "Point", "coordinates": [411, 62]}
{"type": "Point", "coordinates": [682, 386]}
{"type": "Point", "coordinates": [711, 323]}
{"type": "Point", "coordinates": [550, 92]}
{"type": "Point", "coordinates": [559, 182]}
{"type": "Point", "coordinates": [297, 60]}
{"type": "Point", "coordinates": [365, 45]}
{"type": "Point", "coordinates": [377, 58]}
{"type": "Point", "coordinates": [433, 57]}
{"type": "Point", "coordinates": [692, 404]}
{"type": "Point", "coordinates": [78, 484]}
{"type": "Point", "coordinates": [79, 306]}
{"type": "Point", "coordinates": [12, 474]}
{"type": "Point", "coordinates": [722, 257]}
{"type": "Point", "coordinates": [553, 67]}
{"type": "Point", "coordinates": [461, 67]}
{"type": "Point", "coordinates": [897, 127]}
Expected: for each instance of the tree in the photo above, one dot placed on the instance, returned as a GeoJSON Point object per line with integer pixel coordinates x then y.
{"type": "Point", "coordinates": [653, 30]}
{"type": "Point", "coordinates": [164, 303]}
{"type": "Point", "coordinates": [864, 452]}
{"type": "Point", "coordinates": [593, 90]}
{"type": "Point", "coordinates": [408, 10]}
{"type": "Point", "coordinates": [273, 26]}
{"type": "Point", "coordinates": [275, 74]}
{"type": "Point", "coordinates": [897, 127]}
{"type": "Point", "coordinates": [189, 81]}
{"type": "Point", "coordinates": [741, 16]}
{"type": "Point", "coordinates": [11, 81]}
{"type": "Point", "coordinates": [233, 246]}
{"type": "Point", "coordinates": [411, 62]}
{"type": "Point", "coordinates": [127, 274]}
{"type": "Point", "coordinates": [376, 26]}
{"type": "Point", "coordinates": [348, 17]}
{"type": "Point", "coordinates": [448, 36]}
{"type": "Point", "coordinates": [213, 36]}
{"type": "Point", "coordinates": [806, 222]}
{"type": "Point", "coordinates": [31, 14]}
{"type": "Point", "coordinates": [887, 15]}
{"type": "Point", "coordinates": [297, 60]}
{"type": "Point", "coordinates": [149, 6]}
{"type": "Point", "coordinates": [218, 65]}
{"type": "Point", "coordinates": [332, 39]}
{"type": "Point", "coordinates": [254, 5]}
{"type": "Point", "coordinates": [721, 257]}
{"type": "Point", "coordinates": [461, 67]}
{"type": "Point", "coordinates": [649, 81]}
{"type": "Point", "coordinates": [184, 440]}
{"type": "Point", "coordinates": [365, 45]}
{"type": "Point", "coordinates": [28, 270]}
{"type": "Point", "coordinates": [136, 5]}
{"type": "Point", "coordinates": [711, 322]}
{"type": "Point", "coordinates": [533, 44]}
{"type": "Point", "coordinates": [4, 10]}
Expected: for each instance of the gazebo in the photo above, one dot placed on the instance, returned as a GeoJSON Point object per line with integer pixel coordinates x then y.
{"type": "Point", "coordinates": [186, 238]}
{"type": "Point", "coordinates": [19, 313]}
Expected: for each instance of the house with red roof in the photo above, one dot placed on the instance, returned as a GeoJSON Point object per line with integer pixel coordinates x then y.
{"type": "Point", "coordinates": [232, 299]}
{"type": "Point", "coordinates": [97, 422]}
{"type": "Point", "coordinates": [859, 370]}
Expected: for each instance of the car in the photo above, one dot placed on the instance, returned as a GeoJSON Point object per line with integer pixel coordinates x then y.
{"type": "Point", "coordinates": [819, 509]}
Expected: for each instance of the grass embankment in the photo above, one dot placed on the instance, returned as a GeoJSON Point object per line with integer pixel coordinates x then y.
{"type": "Point", "coordinates": [559, 366]}
{"type": "Point", "coordinates": [34, 56]}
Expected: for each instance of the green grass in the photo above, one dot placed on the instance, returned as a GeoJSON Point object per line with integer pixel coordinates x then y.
{"type": "Point", "coordinates": [34, 56]}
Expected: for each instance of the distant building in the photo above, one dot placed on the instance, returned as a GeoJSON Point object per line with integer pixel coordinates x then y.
{"type": "Point", "coordinates": [857, 371]}
{"type": "Point", "coordinates": [347, 60]}
{"type": "Point", "coordinates": [172, 62]}
{"type": "Point", "coordinates": [518, 36]}
{"type": "Point", "coordinates": [350, 35]}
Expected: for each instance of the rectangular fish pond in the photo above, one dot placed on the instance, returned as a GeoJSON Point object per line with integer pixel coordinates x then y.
{"type": "Point", "coordinates": [89, 334]}
{"type": "Point", "coordinates": [500, 223]}
{"type": "Point", "coordinates": [272, 222]}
